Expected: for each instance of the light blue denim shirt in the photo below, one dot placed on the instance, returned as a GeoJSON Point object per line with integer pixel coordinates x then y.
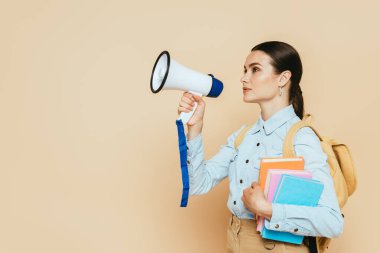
{"type": "Point", "coordinates": [242, 166]}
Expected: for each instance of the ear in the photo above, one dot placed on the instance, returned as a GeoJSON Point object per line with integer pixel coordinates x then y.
{"type": "Point", "coordinates": [284, 78]}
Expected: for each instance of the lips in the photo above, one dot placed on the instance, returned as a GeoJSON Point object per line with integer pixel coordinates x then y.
{"type": "Point", "coordinates": [245, 89]}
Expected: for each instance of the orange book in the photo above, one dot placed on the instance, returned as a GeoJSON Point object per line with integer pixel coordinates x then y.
{"type": "Point", "coordinates": [290, 163]}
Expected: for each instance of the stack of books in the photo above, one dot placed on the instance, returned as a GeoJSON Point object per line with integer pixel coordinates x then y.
{"type": "Point", "coordinates": [284, 181]}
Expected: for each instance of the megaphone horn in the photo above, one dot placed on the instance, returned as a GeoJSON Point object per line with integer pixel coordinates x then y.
{"type": "Point", "coordinates": [167, 74]}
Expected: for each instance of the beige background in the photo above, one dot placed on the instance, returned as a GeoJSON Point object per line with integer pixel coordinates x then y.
{"type": "Point", "coordinates": [88, 155]}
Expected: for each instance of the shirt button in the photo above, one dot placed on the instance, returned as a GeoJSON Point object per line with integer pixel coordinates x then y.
{"type": "Point", "coordinates": [241, 181]}
{"type": "Point", "coordinates": [258, 144]}
{"type": "Point", "coordinates": [188, 162]}
{"type": "Point", "coordinates": [247, 161]}
{"type": "Point", "coordinates": [187, 147]}
{"type": "Point", "coordinates": [276, 226]}
{"type": "Point", "coordinates": [234, 202]}
{"type": "Point", "coordinates": [296, 230]}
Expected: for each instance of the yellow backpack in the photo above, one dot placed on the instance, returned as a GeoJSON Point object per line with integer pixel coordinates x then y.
{"type": "Point", "coordinates": [342, 168]}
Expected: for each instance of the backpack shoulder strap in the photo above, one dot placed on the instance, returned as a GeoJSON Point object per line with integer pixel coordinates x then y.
{"type": "Point", "coordinates": [288, 146]}
{"type": "Point", "coordinates": [239, 138]}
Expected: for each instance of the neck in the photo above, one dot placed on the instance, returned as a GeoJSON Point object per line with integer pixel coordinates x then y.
{"type": "Point", "coordinates": [269, 108]}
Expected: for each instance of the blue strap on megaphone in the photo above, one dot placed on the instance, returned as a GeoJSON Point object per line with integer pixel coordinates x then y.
{"type": "Point", "coordinates": [183, 159]}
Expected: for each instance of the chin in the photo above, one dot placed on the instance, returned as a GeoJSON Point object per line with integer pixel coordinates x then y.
{"type": "Point", "coordinates": [249, 98]}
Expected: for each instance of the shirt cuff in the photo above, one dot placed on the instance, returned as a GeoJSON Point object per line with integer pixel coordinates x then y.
{"type": "Point", "coordinates": [281, 220]}
{"type": "Point", "coordinates": [278, 220]}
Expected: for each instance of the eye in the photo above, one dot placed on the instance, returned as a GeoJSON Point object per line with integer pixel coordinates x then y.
{"type": "Point", "coordinates": [254, 69]}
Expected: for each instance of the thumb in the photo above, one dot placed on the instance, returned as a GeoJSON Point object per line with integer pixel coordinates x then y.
{"type": "Point", "coordinates": [197, 98]}
{"type": "Point", "coordinates": [254, 185]}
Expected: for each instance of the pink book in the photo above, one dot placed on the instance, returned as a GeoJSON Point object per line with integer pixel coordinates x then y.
{"type": "Point", "coordinates": [273, 178]}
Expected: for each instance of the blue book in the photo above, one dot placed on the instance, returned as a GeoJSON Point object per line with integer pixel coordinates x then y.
{"type": "Point", "coordinates": [293, 190]}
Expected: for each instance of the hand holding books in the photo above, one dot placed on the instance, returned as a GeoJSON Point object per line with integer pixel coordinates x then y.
{"type": "Point", "coordinates": [254, 200]}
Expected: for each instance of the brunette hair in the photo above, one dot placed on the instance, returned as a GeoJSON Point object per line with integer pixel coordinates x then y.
{"type": "Point", "coordinates": [285, 57]}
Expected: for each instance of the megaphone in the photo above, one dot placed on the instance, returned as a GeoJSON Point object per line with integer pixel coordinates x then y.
{"type": "Point", "coordinates": [167, 74]}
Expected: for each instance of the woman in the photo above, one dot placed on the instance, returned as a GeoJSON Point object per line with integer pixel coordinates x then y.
{"type": "Point", "coordinates": [272, 74]}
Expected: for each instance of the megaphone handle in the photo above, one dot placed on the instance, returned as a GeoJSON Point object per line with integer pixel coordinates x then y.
{"type": "Point", "coordinates": [185, 116]}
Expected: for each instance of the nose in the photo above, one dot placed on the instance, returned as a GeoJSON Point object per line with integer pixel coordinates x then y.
{"type": "Point", "coordinates": [243, 79]}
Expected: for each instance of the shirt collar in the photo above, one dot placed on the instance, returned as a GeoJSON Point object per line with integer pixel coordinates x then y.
{"type": "Point", "coordinates": [275, 121]}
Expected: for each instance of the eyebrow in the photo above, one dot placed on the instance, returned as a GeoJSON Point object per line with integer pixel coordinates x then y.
{"type": "Point", "coordinates": [252, 64]}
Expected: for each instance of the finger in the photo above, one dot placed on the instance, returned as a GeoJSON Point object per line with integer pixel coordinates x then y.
{"type": "Point", "coordinates": [189, 96]}
{"type": "Point", "coordinates": [254, 184]}
{"type": "Point", "coordinates": [188, 100]}
{"type": "Point", "coordinates": [186, 105]}
{"type": "Point", "coordinates": [197, 98]}
{"type": "Point", "coordinates": [183, 109]}
{"type": "Point", "coordinates": [183, 102]}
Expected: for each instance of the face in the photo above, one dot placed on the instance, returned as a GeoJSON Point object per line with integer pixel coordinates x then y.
{"type": "Point", "coordinates": [260, 83]}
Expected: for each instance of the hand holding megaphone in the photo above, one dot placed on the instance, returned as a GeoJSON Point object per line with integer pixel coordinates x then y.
{"type": "Point", "coordinates": [192, 106]}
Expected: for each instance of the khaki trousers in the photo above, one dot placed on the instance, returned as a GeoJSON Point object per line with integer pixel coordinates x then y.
{"type": "Point", "coordinates": [242, 237]}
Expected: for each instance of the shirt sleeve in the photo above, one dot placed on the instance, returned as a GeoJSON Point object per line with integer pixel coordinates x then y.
{"type": "Point", "coordinates": [323, 220]}
{"type": "Point", "coordinates": [204, 175]}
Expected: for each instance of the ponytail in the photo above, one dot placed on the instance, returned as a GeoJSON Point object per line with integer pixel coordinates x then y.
{"type": "Point", "coordinates": [296, 99]}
